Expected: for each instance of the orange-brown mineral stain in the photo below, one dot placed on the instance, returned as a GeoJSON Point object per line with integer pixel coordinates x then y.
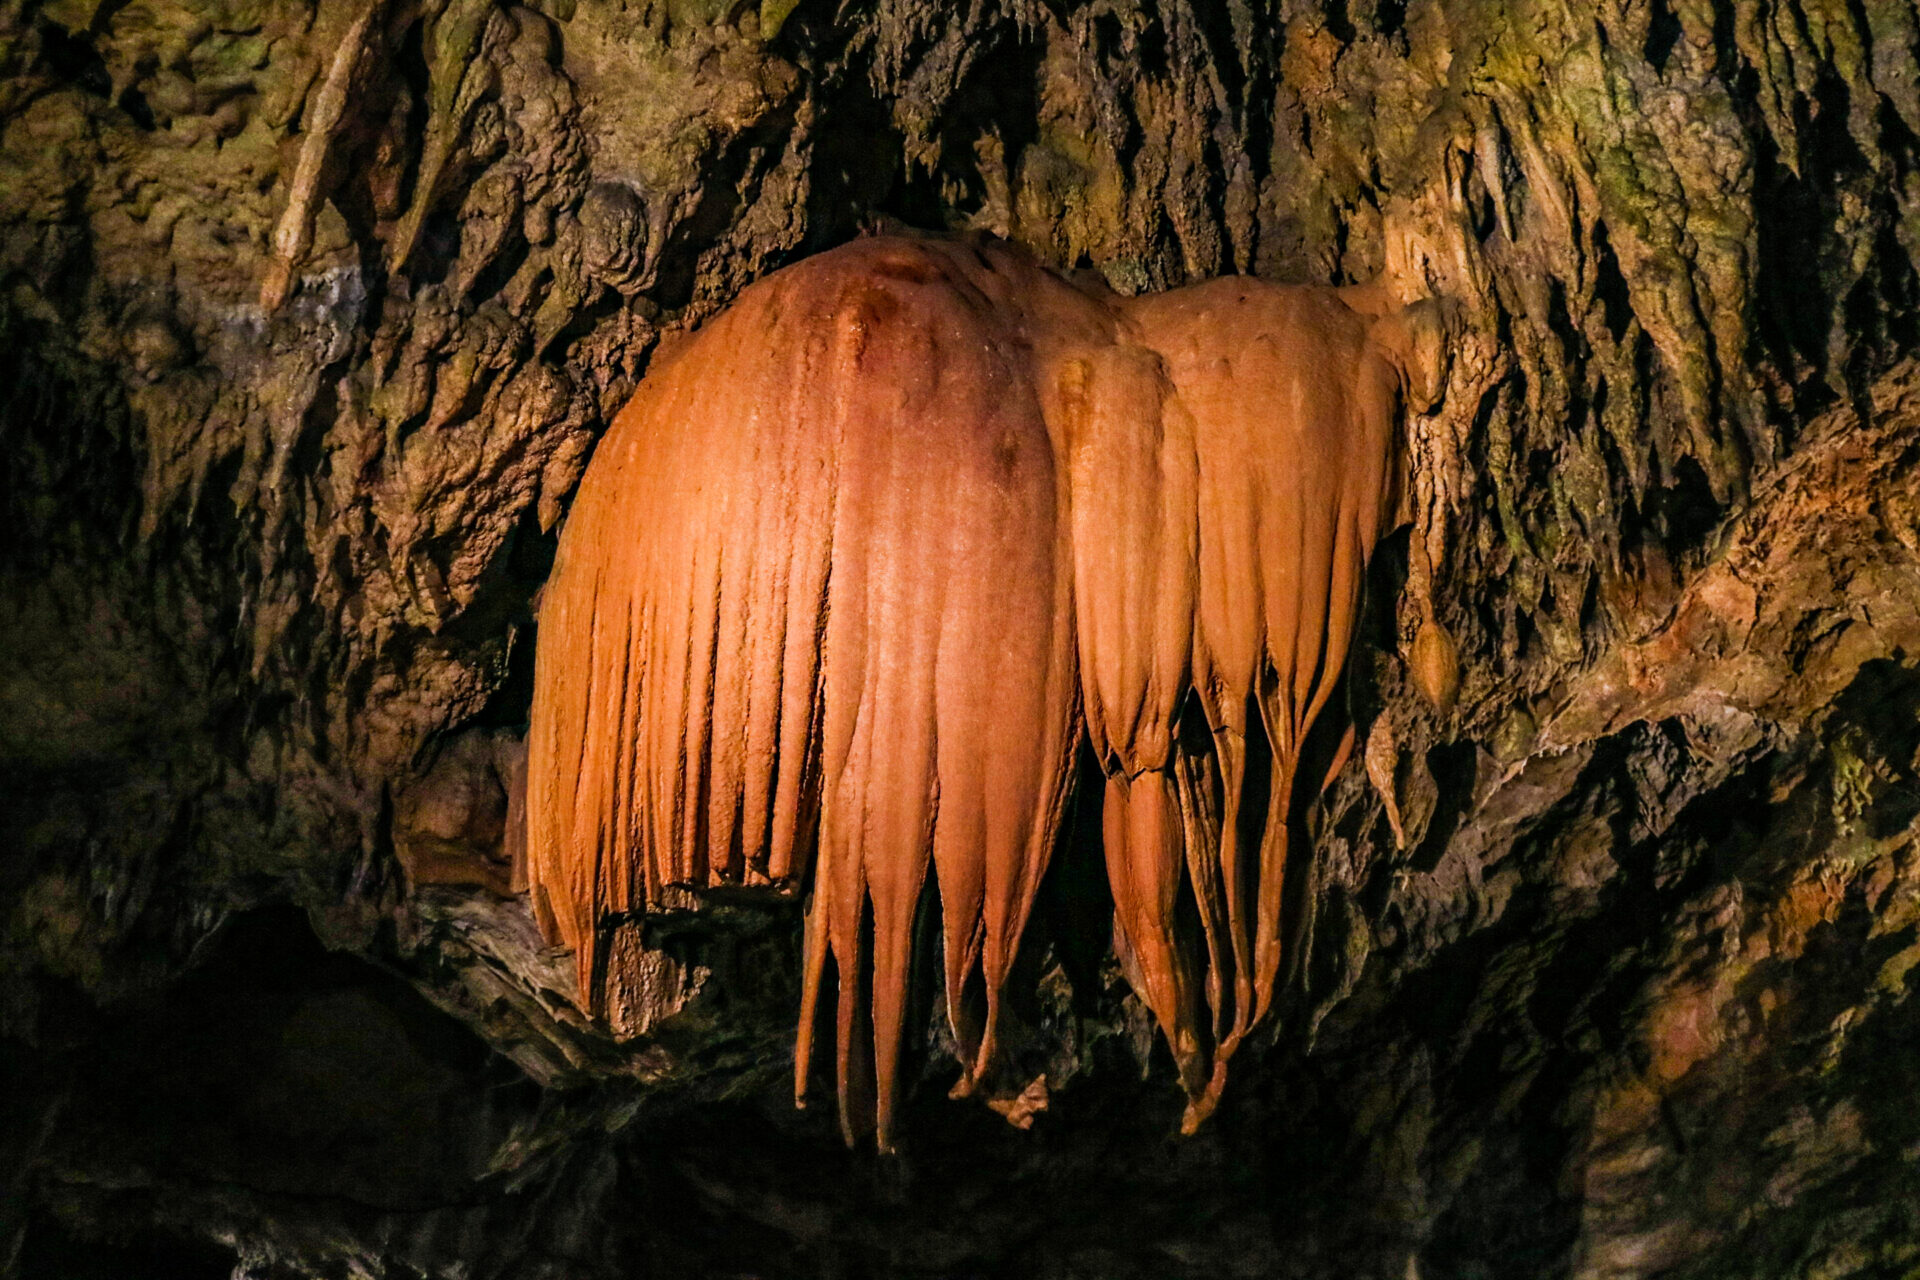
{"type": "Point", "coordinates": [863, 559]}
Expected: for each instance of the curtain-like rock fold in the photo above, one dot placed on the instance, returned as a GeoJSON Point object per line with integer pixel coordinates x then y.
{"type": "Point", "coordinates": [846, 579]}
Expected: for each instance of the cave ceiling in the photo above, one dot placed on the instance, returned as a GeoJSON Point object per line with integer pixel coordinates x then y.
{"type": "Point", "coordinates": [1603, 945]}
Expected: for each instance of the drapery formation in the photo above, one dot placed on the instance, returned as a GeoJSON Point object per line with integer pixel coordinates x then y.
{"type": "Point", "coordinates": [848, 576]}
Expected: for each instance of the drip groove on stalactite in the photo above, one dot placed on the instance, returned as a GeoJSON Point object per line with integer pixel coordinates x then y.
{"type": "Point", "coordinates": [850, 572]}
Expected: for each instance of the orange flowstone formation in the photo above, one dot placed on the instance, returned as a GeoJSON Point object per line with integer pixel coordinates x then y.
{"type": "Point", "coordinates": [862, 560]}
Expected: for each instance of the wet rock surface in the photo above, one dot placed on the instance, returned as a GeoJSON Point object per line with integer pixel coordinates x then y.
{"type": "Point", "coordinates": [310, 316]}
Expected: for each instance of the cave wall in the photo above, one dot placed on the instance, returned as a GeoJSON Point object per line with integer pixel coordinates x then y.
{"type": "Point", "coordinates": [310, 316]}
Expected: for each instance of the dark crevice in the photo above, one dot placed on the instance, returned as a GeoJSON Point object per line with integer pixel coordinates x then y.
{"type": "Point", "coordinates": [72, 57]}
{"type": "Point", "coordinates": [1663, 33]}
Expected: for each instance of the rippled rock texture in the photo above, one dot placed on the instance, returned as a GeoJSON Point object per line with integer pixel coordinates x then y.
{"type": "Point", "coordinates": [310, 318]}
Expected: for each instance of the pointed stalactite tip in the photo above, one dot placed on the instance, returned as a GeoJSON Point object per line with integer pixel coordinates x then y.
{"type": "Point", "coordinates": [1434, 662]}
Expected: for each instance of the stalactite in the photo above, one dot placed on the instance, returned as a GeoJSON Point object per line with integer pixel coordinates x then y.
{"type": "Point", "coordinates": [321, 122]}
{"type": "Point", "coordinates": [848, 573]}
{"type": "Point", "coordinates": [1277, 440]}
{"type": "Point", "coordinates": [810, 597]}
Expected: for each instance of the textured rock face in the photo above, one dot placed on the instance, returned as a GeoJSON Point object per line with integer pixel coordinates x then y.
{"type": "Point", "coordinates": [1623, 987]}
